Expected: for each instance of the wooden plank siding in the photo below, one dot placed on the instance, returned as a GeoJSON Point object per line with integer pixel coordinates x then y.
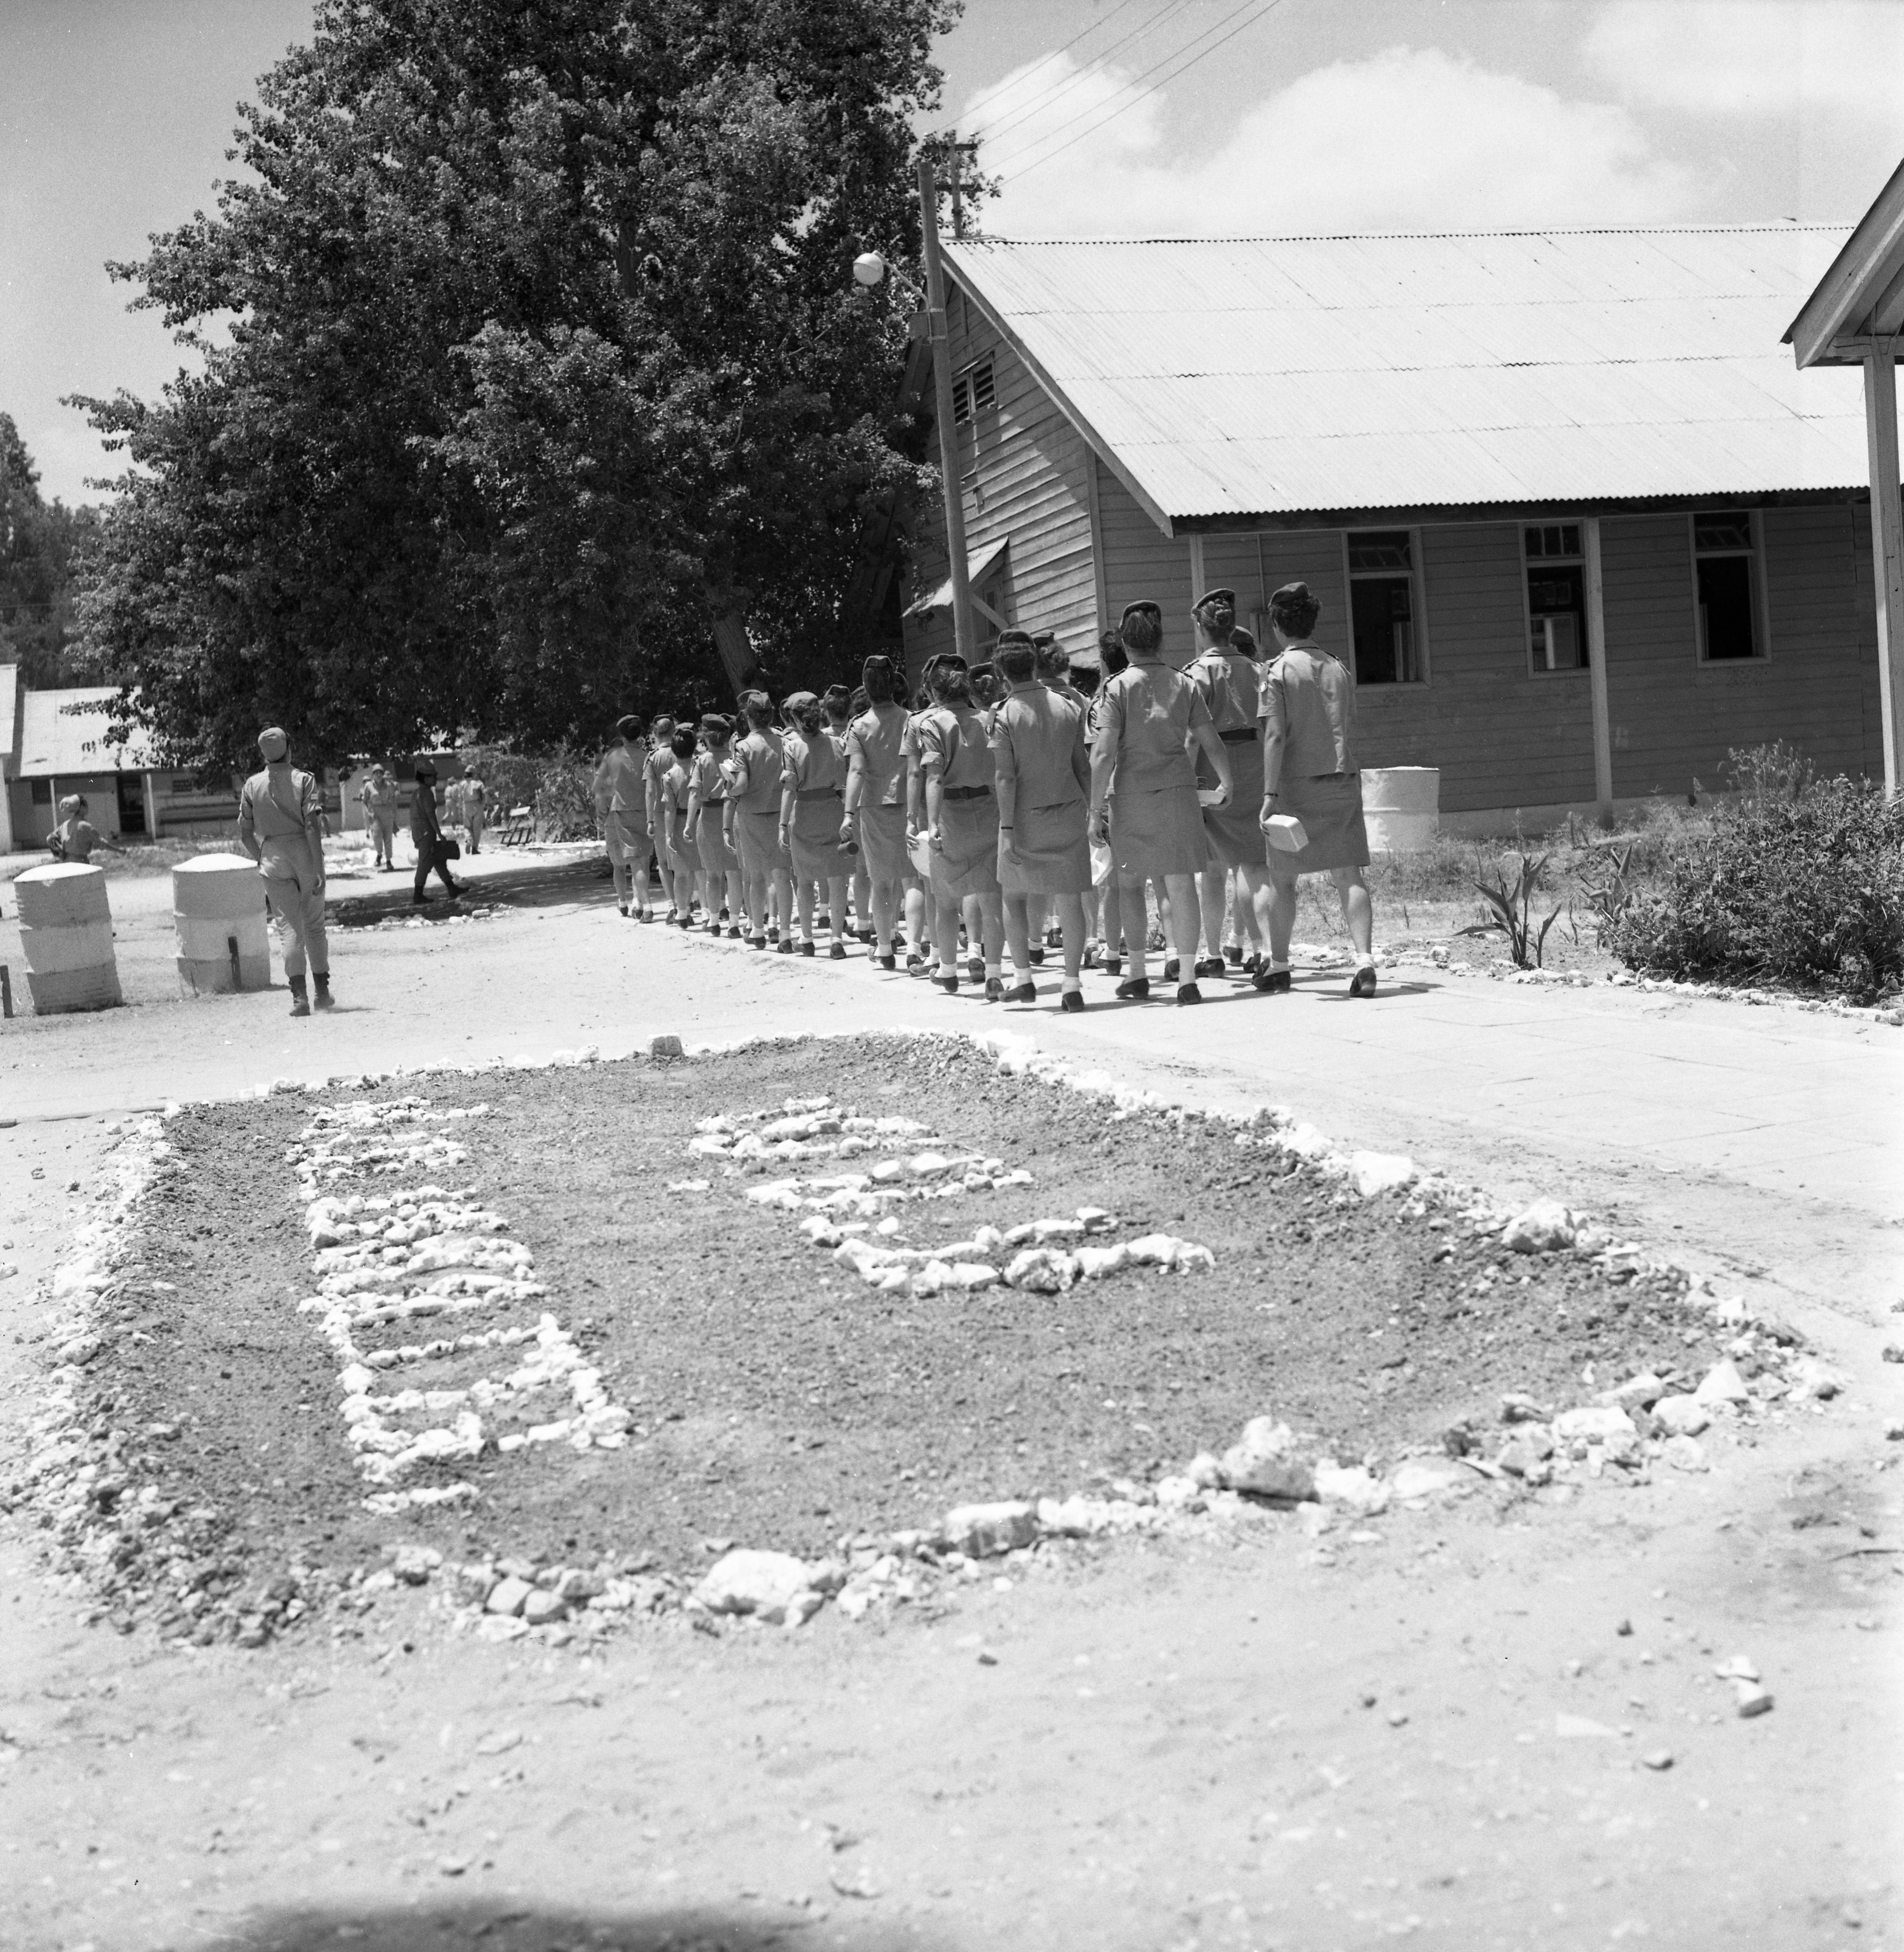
{"type": "Point", "coordinates": [1024, 468]}
{"type": "Point", "coordinates": [1674, 719]}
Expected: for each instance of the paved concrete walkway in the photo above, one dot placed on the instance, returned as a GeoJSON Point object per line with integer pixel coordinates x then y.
{"type": "Point", "coordinates": [1767, 1138]}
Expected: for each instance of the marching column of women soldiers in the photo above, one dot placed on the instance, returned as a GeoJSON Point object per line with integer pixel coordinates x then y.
{"type": "Point", "coordinates": [1006, 811]}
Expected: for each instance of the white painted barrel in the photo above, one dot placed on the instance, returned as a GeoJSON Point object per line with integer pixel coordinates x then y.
{"type": "Point", "coordinates": [218, 899]}
{"type": "Point", "coordinates": [65, 935]}
{"type": "Point", "coordinates": [1401, 808]}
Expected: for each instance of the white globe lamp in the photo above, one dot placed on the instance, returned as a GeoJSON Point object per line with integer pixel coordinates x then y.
{"type": "Point", "coordinates": [868, 268]}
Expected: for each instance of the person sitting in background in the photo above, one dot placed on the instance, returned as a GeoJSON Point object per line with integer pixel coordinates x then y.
{"type": "Point", "coordinates": [75, 838]}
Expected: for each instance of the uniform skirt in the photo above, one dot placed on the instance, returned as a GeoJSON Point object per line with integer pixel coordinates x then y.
{"type": "Point", "coordinates": [759, 836]}
{"type": "Point", "coordinates": [627, 834]}
{"type": "Point", "coordinates": [882, 842]}
{"type": "Point", "coordinates": [815, 840]}
{"type": "Point", "coordinates": [1050, 854]}
{"type": "Point", "coordinates": [1330, 810]}
{"type": "Point", "coordinates": [717, 857]}
{"type": "Point", "coordinates": [683, 855]}
{"type": "Point", "coordinates": [1157, 834]}
{"type": "Point", "coordinates": [1234, 830]}
{"type": "Point", "coordinates": [966, 862]}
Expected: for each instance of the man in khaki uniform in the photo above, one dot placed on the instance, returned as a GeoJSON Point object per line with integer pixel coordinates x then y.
{"type": "Point", "coordinates": [280, 826]}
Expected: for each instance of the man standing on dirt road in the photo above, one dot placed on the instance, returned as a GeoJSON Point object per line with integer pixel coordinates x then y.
{"type": "Point", "coordinates": [280, 826]}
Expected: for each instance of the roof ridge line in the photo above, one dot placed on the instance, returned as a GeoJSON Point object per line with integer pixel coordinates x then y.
{"type": "Point", "coordinates": [1781, 226]}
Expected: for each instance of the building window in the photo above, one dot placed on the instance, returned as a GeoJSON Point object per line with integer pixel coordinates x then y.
{"type": "Point", "coordinates": [1725, 574]}
{"type": "Point", "coordinates": [42, 793]}
{"type": "Point", "coordinates": [1382, 607]}
{"type": "Point", "coordinates": [1556, 597]}
{"type": "Point", "coordinates": [973, 392]}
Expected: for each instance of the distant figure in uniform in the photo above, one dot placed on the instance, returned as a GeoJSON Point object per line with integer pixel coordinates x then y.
{"type": "Point", "coordinates": [426, 835]}
{"type": "Point", "coordinates": [1309, 770]}
{"type": "Point", "coordinates": [706, 823]}
{"type": "Point", "coordinates": [379, 798]}
{"type": "Point", "coordinates": [280, 826]}
{"type": "Point", "coordinates": [960, 778]}
{"type": "Point", "coordinates": [1226, 676]}
{"type": "Point", "coordinates": [1149, 716]}
{"type": "Point", "coordinates": [75, 838]}
{"type": "Point", "coordinates": [621, 799]}
{"type": "Point", "coordinates": [812, 818]}
{"type": "Point", "coordinates": [753, 823]}
{"type": "Point", "coordinates": [1043, 782]}
{"type": "Point", "coordinates": [475, 811]}
{"type": "Point", "coordinates": [875, 804]}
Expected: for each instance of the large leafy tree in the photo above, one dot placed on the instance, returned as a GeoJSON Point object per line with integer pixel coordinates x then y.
{"type": "Point", "coordinates": [534, 386]}
{"type": "Point", "coordinates": [39, 541]}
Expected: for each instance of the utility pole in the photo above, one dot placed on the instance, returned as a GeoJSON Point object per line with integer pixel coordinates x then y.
{"type": "Point", "coordinates": [928, 212]}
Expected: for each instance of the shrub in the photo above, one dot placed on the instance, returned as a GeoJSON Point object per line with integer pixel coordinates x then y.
{"type": "Point", "coordinates": [1795, 880]}
{"type": "Point", "coordinates": [557, 784]}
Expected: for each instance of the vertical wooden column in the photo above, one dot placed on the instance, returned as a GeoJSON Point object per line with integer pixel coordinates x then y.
{"type": "Point", "coordinates": [964, 639]}
{"type": "Point", "coordinates": [1886, 548]}
{"type": "Point", "coordinates": [1596, 670]}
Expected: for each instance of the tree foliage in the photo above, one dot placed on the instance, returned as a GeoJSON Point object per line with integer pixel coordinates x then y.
{"type": "Point", "coordinates": [39, 541]}
{"type": "Point", "coordinates": [531, 352]}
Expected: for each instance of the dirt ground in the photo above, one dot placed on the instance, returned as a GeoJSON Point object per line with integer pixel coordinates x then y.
{"type": "Point", "coordinates": [1491, 1723]}
{"type": "Point", "coordinates": [779, 1401]}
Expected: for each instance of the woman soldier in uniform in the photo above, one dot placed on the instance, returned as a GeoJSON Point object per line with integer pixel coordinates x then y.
{"type": "Point", "coordinates": [1309, 770]}
{"type": "Point", "coordinates": [683, 856]}
{"type": "Point", "coordinates": [706, 810]}
{"type": "Point", "coordinates": [874, 805]}
{"type": "Point", "coordinates": [621, 799]}
{"type": "Point", "coordinates": [1043, 779]}
{"type": "Point", "coordinates": [753, 821]}
{"type": "Point", "coordinates": [812, 787]}
{"type": "Point", "coordinates": [1229, 683]}
{"type": "Point", "coordinates": [962, 827]}
{"type": "Point", "coordinates": [1149, 715]}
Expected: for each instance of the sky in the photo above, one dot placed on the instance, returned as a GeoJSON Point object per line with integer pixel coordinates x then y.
{"type": "Point", "coordinates": [1099, 117]}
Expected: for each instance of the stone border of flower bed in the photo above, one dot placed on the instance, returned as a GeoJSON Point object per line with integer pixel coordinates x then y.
{"type": "Point", "coordinates": [81, 1484]}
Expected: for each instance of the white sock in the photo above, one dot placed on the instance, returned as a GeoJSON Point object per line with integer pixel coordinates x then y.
{"type": "Point", "coordinates": [1072, 983]}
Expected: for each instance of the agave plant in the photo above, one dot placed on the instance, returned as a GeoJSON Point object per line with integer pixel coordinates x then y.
{"type": "Point", "coordinates": [1510, 910]}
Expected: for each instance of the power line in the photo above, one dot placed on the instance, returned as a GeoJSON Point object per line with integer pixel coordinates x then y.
{"type": "Point", "coordinates": [1090, 27]}
{"type": "Point", "coordinates": [1116, 108]}
{"type": "Point", "coordinates": [1042, 101]}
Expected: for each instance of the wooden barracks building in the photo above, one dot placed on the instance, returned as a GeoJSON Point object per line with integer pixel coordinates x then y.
{"type": "Point", "coordinates": [1570, 510]}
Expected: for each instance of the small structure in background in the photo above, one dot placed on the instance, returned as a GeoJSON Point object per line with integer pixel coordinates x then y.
{"type": "Point", "coordinates": [54, 744]}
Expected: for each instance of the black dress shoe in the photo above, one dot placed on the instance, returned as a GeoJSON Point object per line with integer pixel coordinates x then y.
{"type": "Point", "coordinates": [1072, 1000]}
{"type": "Point", "coordinates": [1022, 992]}
{"type": "Point", "coordinates": [950, 984]}
{"type": "Point", "coordinates": [837, 953]}
{"type": "Point", "coordinates": [1362, 983]}
{"type": "Point", "coordinates": [1188, 993]}
{"type": "Point", "coordinates": [1170, 970]}
{"type": "Point", "coordinates": [1037, 955]}
{"type": "Point", "coordinates": [1136, 988]}
{"type": "Point", "coordinates": [806, 949]}
{"type": "Point", "coordinates": [1272, 982]}
{"type": "Point", "coordinates": [1233, 955]}
{"type": "Point", "coordinates": [974, 967]}
{"type": "Point", "coordinates": [995, 989]}
{"type": "Point", "coordinates": [889, 962]}
{"type": "Point", "coordinates": [1113, 965]}
{"type": "Point", "coordinates": [1210, 965]}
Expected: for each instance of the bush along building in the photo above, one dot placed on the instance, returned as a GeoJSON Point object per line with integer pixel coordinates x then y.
{"type": "Point", "coordinates": [1574, 516]}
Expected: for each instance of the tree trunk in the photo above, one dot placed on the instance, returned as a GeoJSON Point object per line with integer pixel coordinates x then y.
{"type": "Point", "coordinates": [731, 640]}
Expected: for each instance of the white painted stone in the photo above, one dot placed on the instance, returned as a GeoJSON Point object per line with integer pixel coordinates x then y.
{"type": "Point", "coordinates": [986, 1531]}
{"type": "Point", "coordinates": [1682, 1416]}
{"type": "Point", "coordinates": [747, 1581]}
{"type": "Point", "coordinates": [1546, 1225]}
{"type": "Point", "coordinates": [1724, 1384]}
{"type": "Point", "coordinates": [1372, 1173]}
{"type": "Point", "coordinates": [1596, 1423]}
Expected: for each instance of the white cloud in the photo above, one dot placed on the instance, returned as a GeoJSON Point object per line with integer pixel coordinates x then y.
{"type": "Point", "coordinates": [1757, 57]}
{"type": "Point", "coordinates": [1411, 139]}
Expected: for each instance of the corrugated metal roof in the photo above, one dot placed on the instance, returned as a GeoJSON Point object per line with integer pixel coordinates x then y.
{"type": "Point", "coordinates": [63, 734]}
{"type": "Point", "coordinates": [1259, 376]}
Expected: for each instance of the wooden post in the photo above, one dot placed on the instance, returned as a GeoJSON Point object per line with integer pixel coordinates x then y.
{"type": "Point", "coordinates": [6, 991]}
{"type": "Point", "coordinates": [1596, 671]}
{"type": "Point", "coordinates": [963, 640]}
{"type": "Point", "coordinates": [1886, 549]}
